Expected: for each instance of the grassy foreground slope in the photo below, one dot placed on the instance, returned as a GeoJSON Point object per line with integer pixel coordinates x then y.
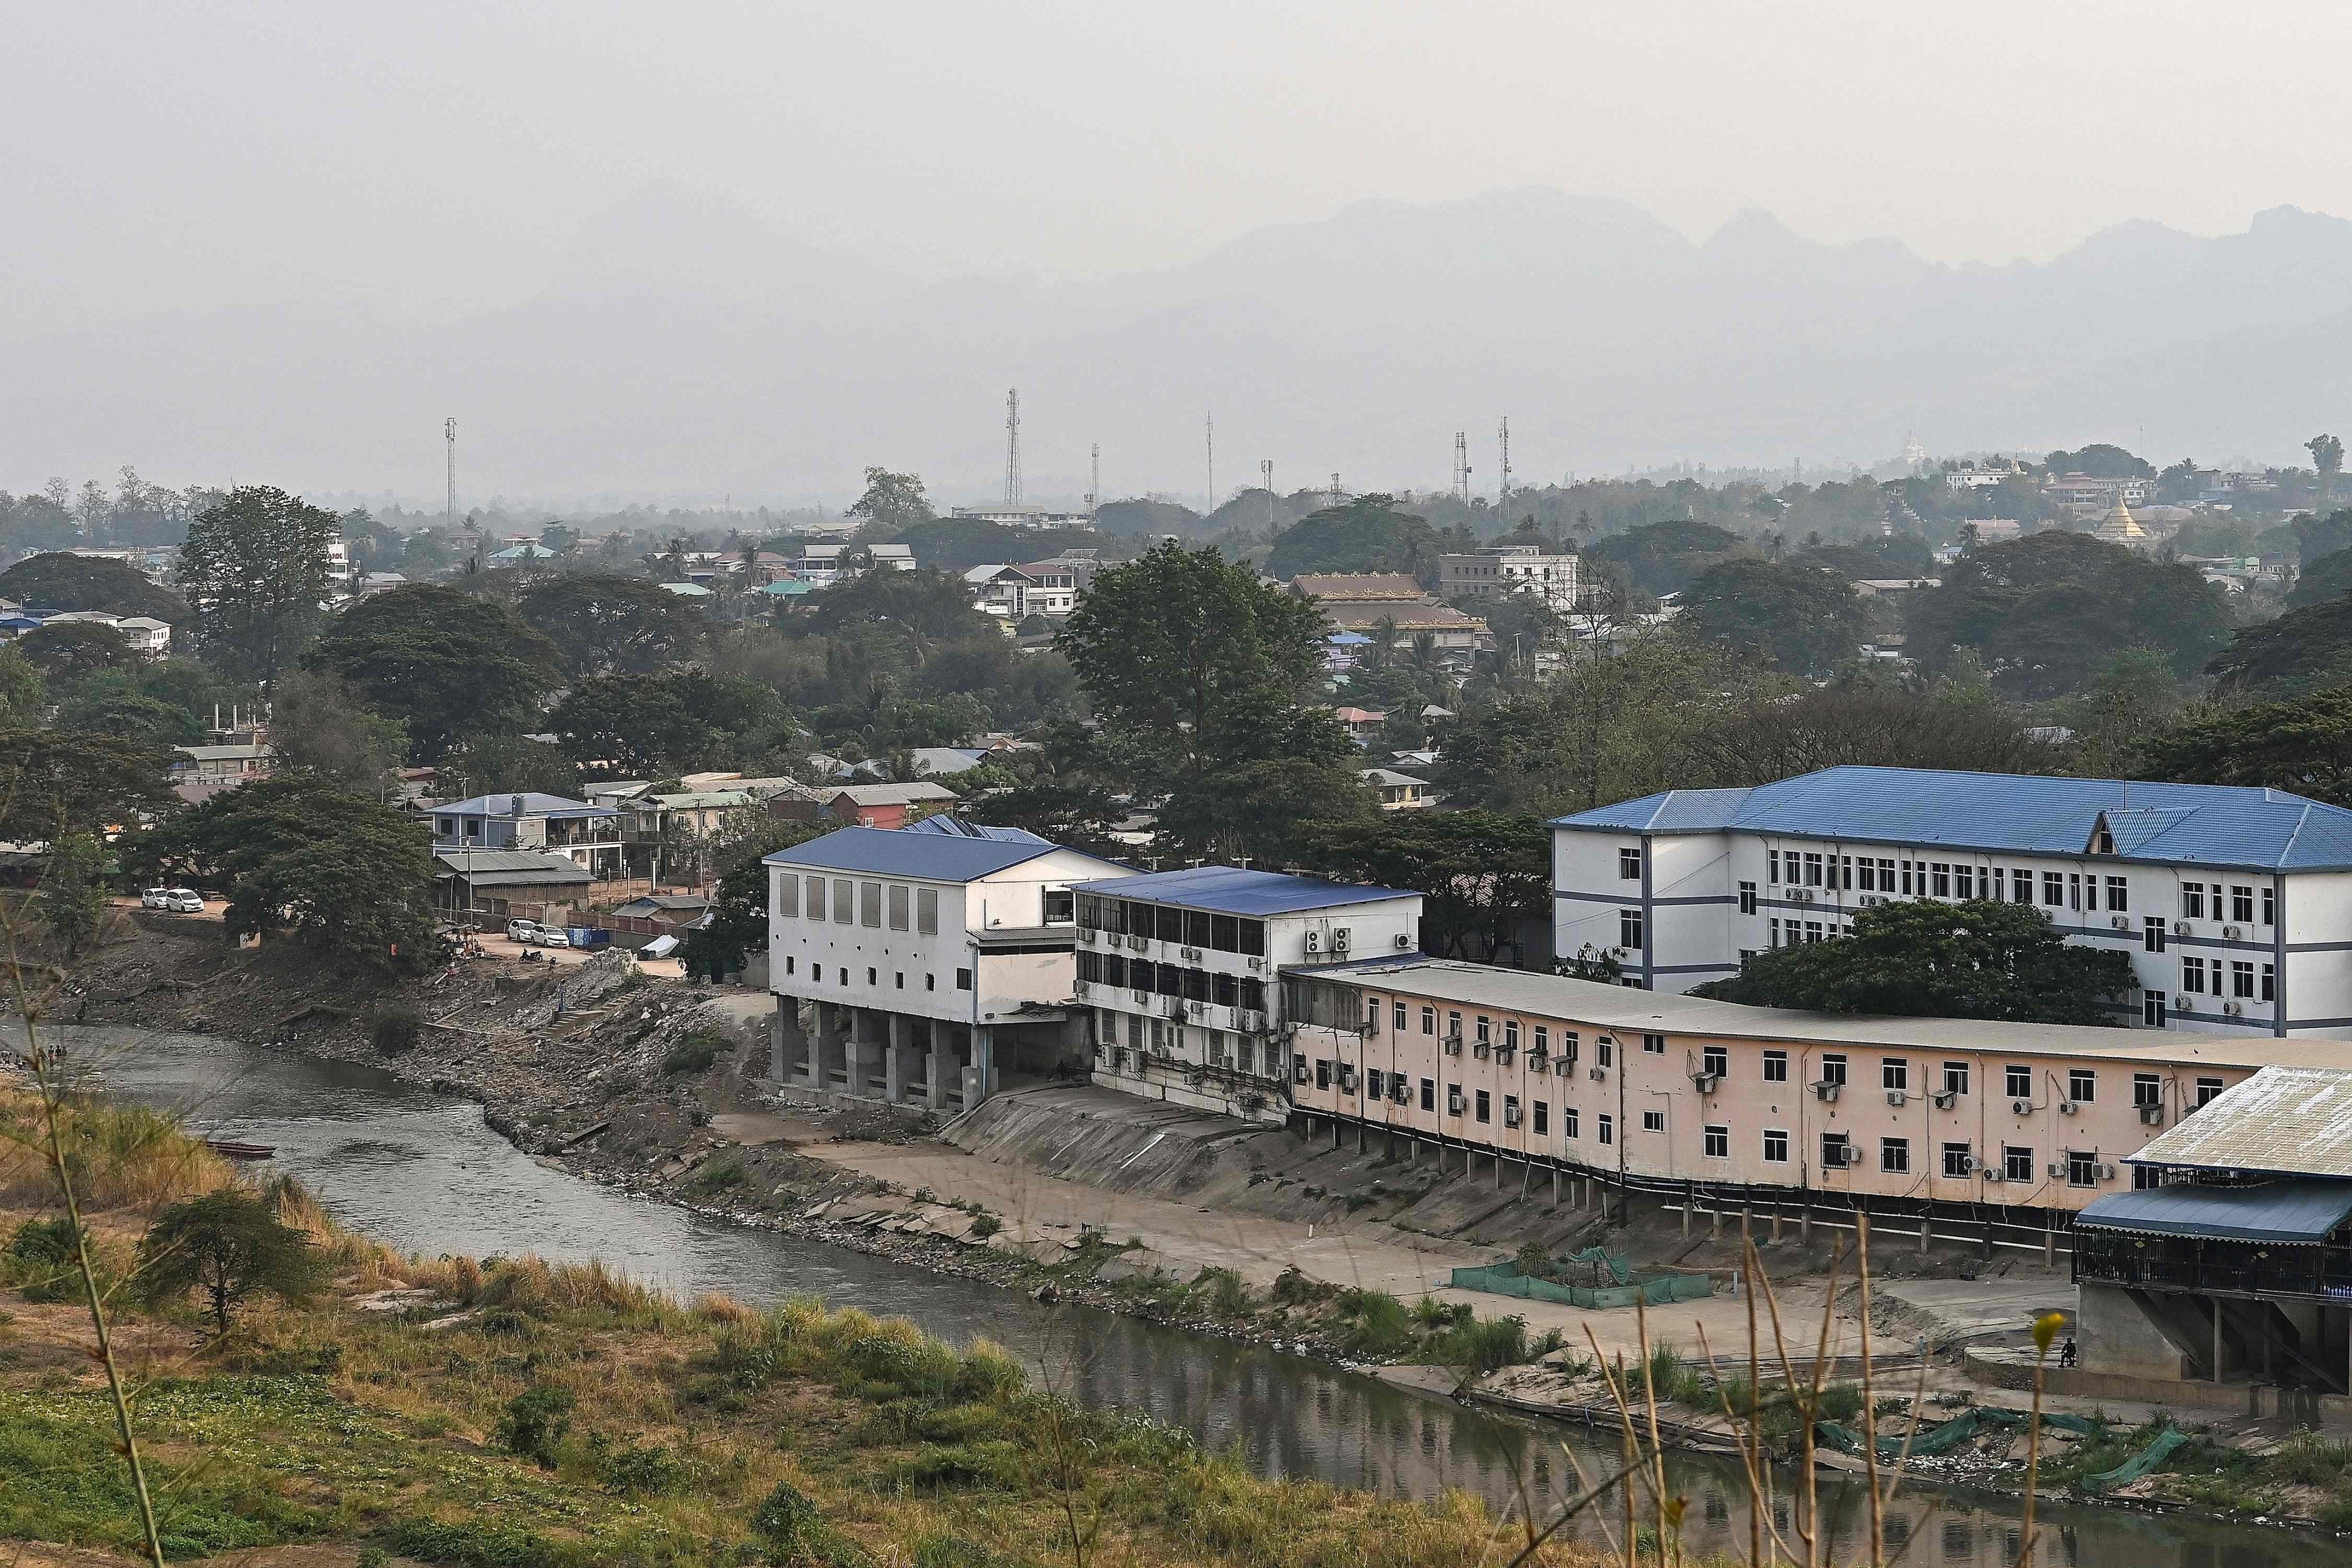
{"type": "Point", "coordinates": [508, 1414]}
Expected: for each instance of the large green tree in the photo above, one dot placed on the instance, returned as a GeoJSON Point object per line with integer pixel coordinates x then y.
{"type": "Point", "coordinates": [56, 782]}
{"type": "Point", "coordinates": [1801, 619]}
{"type": "Point", "coordinates": [59, 581]}
{"type": "Point", "coordinates": [738, 915]}
{"type": "Point", "coordinates": [1484, 877]}
{"type": "Point", "coordinates": [319, 725]}
{"type": "Point", "coordinates": [2043, 613]}
{"type": "Point", "coordinates": [1923, 958]}
{"type": "Point", "coordinates": [892, 501]}
{"type": "Point", "coordinates": [654, 726]}
{"type": "Point", "coordinates": [445, 664]}
{"type": "Point", "coordinates": [2302, 650]}
{"type": "Point", "coordinates": [604, 625]}
{"type": "Point", "coordinates": [227, 1246]}
{"type": "Point", "coordinates": [2319, 581]}
{"type": "Point", "coordinates": [64, 650]}
{"type": "Point", "coordinates": [340, 872]}
{"type": "Point", "coordinates": [1200, 675]}
{"type": "Point", "coordinates": [1368, 533]}
{"type": "Point", "coordinates": [2303, 745]}
{"type": "Point", "coordinates": [1662, 557]}
{"type": "Point", "coordinates": [255, 570]}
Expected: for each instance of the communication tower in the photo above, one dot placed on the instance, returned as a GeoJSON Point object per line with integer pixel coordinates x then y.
{"type": "Point", "coordinates": [1013, 446]}
{"type": "Point", "coordinates": [449, 506]}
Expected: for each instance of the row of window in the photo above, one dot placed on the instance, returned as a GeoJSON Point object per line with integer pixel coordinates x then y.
{"type": "Point", "coordinates": [874, 975]}
{"type": "Point", "coordinates": [1165, 1038]}
{"type": "Point", "coordinates": [2235, 901]}
{"type": "Point", "coordinates": [2202, 976]}
{"type": "Point", "coordinates": [868, 904]}
{"type": "Point", "coordinates": [1165, 922]}
{"type": "Point", "coordinates": [1116, 970]}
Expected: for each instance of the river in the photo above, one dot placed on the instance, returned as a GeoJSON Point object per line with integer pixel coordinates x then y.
{"type": "Point", "coordinates": [422, 1172]}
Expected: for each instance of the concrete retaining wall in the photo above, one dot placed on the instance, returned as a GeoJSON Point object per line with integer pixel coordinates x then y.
{"type": "Point", "coordinates": [2013, 1369]}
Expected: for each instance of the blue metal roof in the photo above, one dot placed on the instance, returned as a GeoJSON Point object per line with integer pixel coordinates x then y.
{"type": "Point", "coordinates": [1225, 889]}
{"type": "Point", "coordinates": [2299, 1211]}
{"type": "Point", "coordinates": [533, 804]}
{"type": "Point", "coordinates": [958, 827]}
{"type": "Point", "coordinates": [927, 857]}
{"type": "Point", "coordinates": [2211, 824]}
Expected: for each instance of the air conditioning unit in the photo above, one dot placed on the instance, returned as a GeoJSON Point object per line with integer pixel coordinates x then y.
{"type": "Point", "coordinates": [1191, 953]}
{"type": "Point", "coordinates": [1502, 1054]}
{"type": "Point", "coordinates": [1946, 1100]}
{"type": "Point", "coordinates": [2183, 1004]}
{"type": "Point", "coordinates": [1538, 1065]}
{"type": "Point", "coordinates": [1314, 942]}
{"type": "Point", "coordinates": [1401, 1092]}
{"type": "Point", "coordinates": [2107, 1171]}
{"type": "Point", "coordinates": [1453, 1103]}
{"type": "Point", "coordinates": [1967, 1164]}
{"type": "Point", "coordinates": [1898, 1098]}
{"type": "Point", "coordinates": [1825, 1090]}
{"type": "Point", "coordinates": [2233, 1008]}
{"type": "Point", "coordinates": [1082, 987]}
{"type": "Point", "coordinates": [1341, 938]}
{"type": "Point", "coordinates": [2070, 1108]}
{"type": "Point", "coordinates": [2120, 922]}
{"type": "Point", "coordinates": [1452, 1045]}
{"type": "Point", "coordinates": [2021, 1108]}
{"type": "Point", "coordinates": [2232, 932]}
{"type": "Point", "coordinates": [1510, 1116]}
{"type": "Point", "coordinates": [2181, 928]}
{"type": "Point", "coordinates": [1871, 900]}
{"type": "Point", "coordinates": [1993, 1173]}
{"type": "Point", "coordinates": [1298, 1073]}
{"type": "Point", "coordinates": [1704, 1082]}
{"type": "Point", "coordinates": [1086, 934]}
{"type": "Point", "coordinates": [1837, 1159]}
{"type": "Point", "coordinates": [2057, 1172]}
{"type": "Point", "coordinates": [1256, 964]}
{"type": "Point", "coordinates": [2151, 1115]}
{"type": "Point", "coordinates": [1599, 1075]}
{"type": "Point", "coordinates": [1482, 1050]}
{"type": "Point", "coordinates": [1372, 1021]}
{"type": "Point", "coordinates": [1347, 1078]}
{"type": "Point", "coordinates": [1404, 940]}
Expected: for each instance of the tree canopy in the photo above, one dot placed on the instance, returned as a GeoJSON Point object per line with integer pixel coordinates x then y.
{"type": "Point", "coordinates": [2303, 745]}
{"type": "Point", "coordinates": [56, 782]}
{"type": "Point", "coordinates": [445, 664]}
{"type": "Point", "coordinates": [655, 726]}
{"type": "Point", "coordinates": [1369, 533]}
{"type": "Point", "coordinates": [227, 1244]}
{"type": "Point", "coordinates": [256, 572]}
{"type": "Point", "coordinates": [1484, 877]}
{"type": "Point", "coordinates": [62, 650]}
{"type": "Point", "coordinates": [604, 625]}
{"type": "Point", "coordinates": [1923, 958]}
{"type": "Point", "coordinates": [337, 871]}
{"type": "Point", "coordinates": [64, 582]}
{"type": "Point", "coordinates": [2044, 612]}
{"type": "Point", "coordinates": [2101, 461]}
{"type": "Point", "coordinates": [319, 725]}
{"type": "Point", "coordinates": [2326, 578]}
{"type": "Point", "coordinates": [956, 543]}
{"type": "Point", "coordinates": [2302, 650]}
{"type": "Point", "coordinates": [892, 501]}
{"type": "Point", "coordinates": [1799, 618]}
{"type": "Point", "coordinates": [1662, 557]}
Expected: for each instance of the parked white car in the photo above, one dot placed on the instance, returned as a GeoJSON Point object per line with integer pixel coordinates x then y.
{"type": "Point", "coordinates": [154, 897]}
{"type": "Point", "coordinates": [554, 936]}
{"type": "Point", "coordinates": [522, 931]}
{"type": "Point", "coordinates": [184, 902]}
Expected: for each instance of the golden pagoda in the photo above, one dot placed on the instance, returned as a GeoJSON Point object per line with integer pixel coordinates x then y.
{"type": "Point", "coordinates": [2119, 527]}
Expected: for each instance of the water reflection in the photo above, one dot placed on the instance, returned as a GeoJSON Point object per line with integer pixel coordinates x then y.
{"type": "Point", "coordinates": [424, 1173]}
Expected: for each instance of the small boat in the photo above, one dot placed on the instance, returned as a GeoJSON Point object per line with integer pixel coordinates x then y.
{"type": "Point", "coordinates": [231, 1149]}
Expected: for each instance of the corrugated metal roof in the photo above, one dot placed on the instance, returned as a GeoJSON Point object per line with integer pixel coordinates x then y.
{"type": "Point", "coordinates": [1226, 889]}
{"type": "Point", "coordinates": [927, 857]}
{"type": "Point", "coordinates": [2288, 1120]}
{"type": "Point", "coordinates": [534, 803]}
{"type": "Point", "coordinates": [1624, 1008]}
{"type": "Point", "coordinates": [2296, 1212]}
{"type": "Point", "coordinates": [2212, 824]}
{"type": "Point", "coordinates": [510, 867]}
{"type": "Point", "coordinates": [956, 827]}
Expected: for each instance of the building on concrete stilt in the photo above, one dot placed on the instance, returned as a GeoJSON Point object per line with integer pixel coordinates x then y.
{"type": "Point", "coordinates": [918, 967]}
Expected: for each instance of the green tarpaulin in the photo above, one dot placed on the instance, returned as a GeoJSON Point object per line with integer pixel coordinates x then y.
{"type": "Point", "coordinates": [1949, 1435]}
{"type": "Point", "coordinates": [1503, 1279]}
{"type": "Point", "coordinates": [2139, 1464]}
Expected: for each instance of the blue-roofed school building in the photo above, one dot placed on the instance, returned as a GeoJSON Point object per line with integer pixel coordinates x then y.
{"type": "Point", "coordinates": [1183, 970]}
{"type": "Point", "coordinates": [2234, 904]}
{"type": "Point", "coordinates": [920, 966]}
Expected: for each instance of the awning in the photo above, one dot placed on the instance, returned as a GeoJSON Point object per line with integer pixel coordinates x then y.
{"type": "Point", "coordinates": [660, 947]}
{"type": "Point", "coordinates": [2301, 1212]}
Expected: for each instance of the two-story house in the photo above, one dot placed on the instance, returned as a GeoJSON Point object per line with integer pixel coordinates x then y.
{"type": "Point", "coordinates": [2235, 905]}
{"type": "Point", "coordinates": [589, 835]}
{"type": "Point", "coordinates": [1184, 970]}
{"type": "Point", "coordinates": [916, 966]}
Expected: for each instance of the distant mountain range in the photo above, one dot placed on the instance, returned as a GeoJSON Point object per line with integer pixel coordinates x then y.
{"type": "Point", "coordinates": [683, 348]}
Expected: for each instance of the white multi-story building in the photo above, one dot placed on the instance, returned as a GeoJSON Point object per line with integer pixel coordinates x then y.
{"type": "Point", "coordinates": [1500, 570]}
{"type": "Point", "coordinates": [2234, 904]}
{"type": "Point", "coordinates": [1182, 969]}
{"type": "Point", "coordinates": [915, 965]}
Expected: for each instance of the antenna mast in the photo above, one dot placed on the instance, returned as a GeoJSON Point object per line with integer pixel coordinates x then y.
{"type": "Point", "coordinates": [450, 507]}
{"type": "Point", "coordinates": [1335, 490]}
{"type": "Point", "coordinates": [1502, 485]}
{"type": "Point", "coordinates": [1462, 465]}
{"type": "Point", "coordinates": [1094, 482]}
{"type": "Point", "coordinates": [1265, 467]}
{"type": "Point", "coordinates": [1013, 446]}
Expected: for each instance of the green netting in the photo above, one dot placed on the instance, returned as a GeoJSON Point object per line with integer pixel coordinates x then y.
{"type": "Point", "coordinates": [2139, 1464]}
{"type": "Point", "coordinates": [1617, 1266]}
{"type": "Point", "coordinates": [1949, 1435]}
{"type": "Point", "coordinates": [1504, 1280]}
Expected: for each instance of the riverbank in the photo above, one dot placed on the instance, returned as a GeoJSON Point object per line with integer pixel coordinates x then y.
{"type": "Point", "coordinates": [476, 1413]}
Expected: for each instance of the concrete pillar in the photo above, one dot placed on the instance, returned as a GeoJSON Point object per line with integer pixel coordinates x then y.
{"type": "Point", "coordinates": [895, 1061]}
{"type": "Point", "coordinates": [2215, 1303]}
{"type": "Point", "coordinates": [1927, 1226]}
{"type": "Point", "coordinates": [777, 1064]}
{"type": "Point", "coordinates": [980, 1077]}
{"type": "Point", "coordinates": [864, 1048]}
{"type": "Point", "coordinates": [1555, 1187]}
{"type": "Point", "coordinates": [943, 1064]}
{"type": "Point", "coordinates": [1714, 1217]}
{"type": "Point", "coordinates": [830, 1057]}
{"type": "Point", "coordinates": [1690, 1197]}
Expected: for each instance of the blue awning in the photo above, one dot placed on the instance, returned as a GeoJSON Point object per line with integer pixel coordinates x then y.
{"type": "Point", "coordinates": [2299, 1212]}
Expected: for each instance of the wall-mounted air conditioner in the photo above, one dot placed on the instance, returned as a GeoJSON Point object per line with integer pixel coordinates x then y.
{"type": "Point", "coordinates": [2232, 932]}
{"type": "Point", "coordinates": [2021, 1108]}
{"type": "Point", "coordinates": [1826, 1090]}
{"type": "Point", "coordinates": [1341, 938]}
{"type": "Point", "coordinates": [2233, 1008]}
{"type": "Point", "coordinates": [1898, 1098]}
{"type": "Point", "coordinates": [1404, 940]}
{"type": "Point", "coordinates": [2070, 1108]}
{"type": "Point", "coordinates": [2181, 928]}
{"type": "Point", "coordinates": [1946, 1100]}
{"type": "Point", "coordinates": [2107, 1171]}
{"type": "Point", "coordinates": [1257, 963]}
{"type": "Point", "coordinates": [1599, 1075]}
{"type": "Point", "coordinates": [1191, 953]}
{"type": "Point", "coordinates": [1510, 1116]}
{"type": "Point", "coordinates": [2120, 922]}
{"type": "Point", "coordinates": [2151, 1116]}
{"type": "Point", "coordinates": [1704, 1082]}
{"type": "Point", "coordinates": [2057, 1172]}
{"type": "Point", "coordinates": [1993, 1173]}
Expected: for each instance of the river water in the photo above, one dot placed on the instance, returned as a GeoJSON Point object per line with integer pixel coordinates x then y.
{"type": "Point", "coordinates": [422, 1172]}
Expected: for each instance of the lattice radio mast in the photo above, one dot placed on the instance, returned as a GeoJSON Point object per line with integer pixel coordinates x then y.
{"type": "Point", "coordinates": [1266, 468]}
{"type": "Point", "coordinates": [1502, 485]}
{"type": "Point", "coordinates": [1462, 465]}
{"type": "Point", "coordinates": [1336, 493]}
{"type": "Point", "coordinates": [449, 506]}
{"type": "Point", "coordinates": [1094, 482]}
{"type": "Point", "coordinates": [1013, 446]}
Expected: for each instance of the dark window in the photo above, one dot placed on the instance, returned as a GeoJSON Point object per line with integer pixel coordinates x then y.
{"type": "Point", "coordinates": [1196, 928]}
{"type": "Point", "coordinates": [963, 979]}
{"type": "Point", "coordinates": [1776, 1067]}
{"type": "Point", "coordinates": [2152, 932]}
{"type": "Point", "coordinates": [1322, 1073]}
{"type": "Point", "coordinates": [1653, 1045]}
{"type": "Point", "coordinates": [1833, 1069]}
{"type": "Point", "coordinates": [1059, 911]}
{"type": "Point", "coordinates": [2148, 1088]}
{"type": "Point", "coordinates": [1653, 1121]}
{"type": "Point", "coordinates": [1429, 1094]}
{"type": "Point", "coordinates": [1957, 1161]}
{"type": "Point", "coordinates": [1252, 939]}
{"type": "Point", "coordinates": [1568, 1121]}
{"type": "Point", "coordinates": [1486, 1106]}
{"type": "Point", "coordinates": [1717, 1142]}
{"type": "Point", "coordinates": [1833, 1151]}
{"type": "Point", "coordinates": [1605, 1128]}
{"type": "Point", "coordinates": [2207, 1088]}
{"type": "Point", "coordinates": [2270, 906]}
{"type": "Point", "coordinates": [1776, 1145]}
{"type": "Point", "coordinates": [2242, 904]}
{"type": "Point", "coordinates": [1629, 865]}
{"type": "Point", "coordinates": [1429, 1020]}
{"type": "Point", "coordinates": [2153, 1009]}
{"type": "Point", "coordinates": [2118, 893]}
{"type": "Point", "coordinates": [1629, 930]}
{"type": "Point", "coordinates": [1169, 924]}
{"type": "Point", "coordinates": [2270, 983]}
{"type": "Point", "coordinates": [2017, 1082]}
{"type": "Point", "coordinates": [1894, 1155]}
{"type": "Point", "coordinates": [1747, 898]}
{"type": "Point", "coordinates": [1224, 933]}
{"type": "Point", "coordinates": [1894, 1072]}
{"type": "Point", "coordinates": [1716, 1059]}
{"type": "Point", "coordinates": [2082, 1168]}
{"type": "Point", "coordinates": [1956, 1077]}
{"type": "Point", "coordinates": [1543, 1117]}
{"type": "Point", "coordinates": [2081, 1085]}
{"type": "Point", "coordinates": [2016, 1164]}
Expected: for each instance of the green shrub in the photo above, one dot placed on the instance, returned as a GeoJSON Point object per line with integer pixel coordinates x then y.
{"type": "Point", "coordinates": [397, 1028]}
{"type": "Point", "coordinates": [534, 1422]}
{"type": "Point", "coordinates": [1482, 1345]}
{"type": "Point", "coordinates": [41, 1258]}
{"type": "Point", "coordinates": [720, 1175]}
{"type": "Point", "coordinates": [1377, 1323]}
{"type": "Point", "coordinates": [985, 1226]}
{"type": "Point", "coordinates": [1840, 1401]}
{"type": "Point", "coordinates": [790, 1522]}
{"type": "Point", "coordinates": [637, 1471]}
{"type": "Point", "coordinates": [695, 1052]}
{"type": "Point", "coordinates": [1223, 1291]}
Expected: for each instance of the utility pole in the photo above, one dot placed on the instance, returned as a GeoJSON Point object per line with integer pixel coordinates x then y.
{"type": "Point", "coordinates": [1265, 467]}
{"type": "Point", "coordinates": [449, 507]}
{"type": "Point", "coordinates": [1502, 484]}
{"type": "Point", "coordinates": [1012, 447]}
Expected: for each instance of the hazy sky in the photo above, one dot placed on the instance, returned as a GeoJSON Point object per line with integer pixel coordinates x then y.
{"type": "Point", "coordinates": [379, 165]}
{"type": "Point", "coordinates": [436, 156]}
